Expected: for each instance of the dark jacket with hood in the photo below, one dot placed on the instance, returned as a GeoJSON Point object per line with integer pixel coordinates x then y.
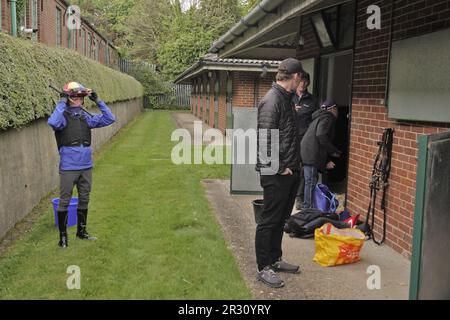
{"type": "Point", "coordinates": [316, 145]}
{"type": "Point", "coordinates": [275, 111]}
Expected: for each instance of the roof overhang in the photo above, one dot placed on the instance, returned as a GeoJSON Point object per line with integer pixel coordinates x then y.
{"type": "Point", "coordinates": [269, 21]}
{"type": "Point", "coordinates": [247, 66]}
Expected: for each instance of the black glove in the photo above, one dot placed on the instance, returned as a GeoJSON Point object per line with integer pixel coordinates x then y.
{"type": "Point", "coordinates": [63, 95]}
{"type": "Point", "coordinates": [93, 96]}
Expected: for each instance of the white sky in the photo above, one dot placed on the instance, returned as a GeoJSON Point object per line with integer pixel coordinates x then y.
{"type": "Point", "coordinates": [186, 4]}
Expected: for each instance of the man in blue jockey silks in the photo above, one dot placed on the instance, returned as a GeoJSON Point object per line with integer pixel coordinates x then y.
{"type": "Point", "coordinates": [72, 126]}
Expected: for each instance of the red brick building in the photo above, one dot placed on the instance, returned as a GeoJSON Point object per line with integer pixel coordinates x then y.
{"type": "Point", "coordinates": [218, 85]}
{"type": "Point", "coordinates": [50, 18]}
{"type": "Point", "coordinates": [364, 55]}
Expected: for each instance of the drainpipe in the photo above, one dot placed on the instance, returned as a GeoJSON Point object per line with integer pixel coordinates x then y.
{"type": "Point", "coordinates": [13, 18]}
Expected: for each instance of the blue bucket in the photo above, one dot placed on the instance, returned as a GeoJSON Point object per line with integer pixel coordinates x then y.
{"type": "Point", "coordinates": [72, 218]}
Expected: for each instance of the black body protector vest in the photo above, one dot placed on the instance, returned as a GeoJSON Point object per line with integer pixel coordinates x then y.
{"type": "Point", "coordinates": [76, 132]}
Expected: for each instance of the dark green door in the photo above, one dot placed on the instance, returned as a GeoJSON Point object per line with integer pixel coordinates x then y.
{"type": "Point", "coordinates": [207, 103]}
{"type": "Point", "coordinates": [229, 101]}
{"type": "Point", "coordinates": [430, 272]}
{"type": "Point", "coordinates": [216, 102]}
{"type": "Point", "coordinates": [201, 101]}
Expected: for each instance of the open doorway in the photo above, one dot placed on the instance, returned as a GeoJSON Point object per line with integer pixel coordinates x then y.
{"type": "Point", "coordinates": [335, 83]}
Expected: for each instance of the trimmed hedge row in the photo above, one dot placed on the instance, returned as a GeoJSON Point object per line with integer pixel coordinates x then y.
{"type": "Point", "coordinates": [27, 69]}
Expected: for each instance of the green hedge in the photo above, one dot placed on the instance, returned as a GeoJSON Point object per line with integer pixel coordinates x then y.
{"type": "Point", "coordinates": [27, 68]}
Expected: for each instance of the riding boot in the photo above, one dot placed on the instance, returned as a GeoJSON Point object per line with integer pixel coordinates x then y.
{"type": "Point", "coordinates": [81, 225]}
{"type": "Point", "coordinates": [62, 225]}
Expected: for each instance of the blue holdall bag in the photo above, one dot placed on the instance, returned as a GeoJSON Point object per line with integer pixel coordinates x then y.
{"type": "Point", "coordinates": [324, 199]}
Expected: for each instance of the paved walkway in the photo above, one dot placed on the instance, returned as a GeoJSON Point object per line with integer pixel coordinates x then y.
{"type": "Point", "coordinates": [235, 215]}
{"type": "Point", "coordinates": [186, 121]}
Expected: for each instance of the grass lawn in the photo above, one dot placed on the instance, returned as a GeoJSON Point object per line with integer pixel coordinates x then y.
{"type": "Point", "coordinates": [158, 237]}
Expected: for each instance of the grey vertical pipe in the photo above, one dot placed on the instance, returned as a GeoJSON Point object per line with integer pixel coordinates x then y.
{"type": "Point", "coordinates": [330, 79]}
{"type": "Point", "coordinates": [13, 18]}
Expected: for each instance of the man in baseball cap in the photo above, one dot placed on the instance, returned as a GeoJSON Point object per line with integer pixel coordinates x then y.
{"type": "Point", "coordinates": [290, 66]}
{"type": "Point", "coordinates": [279, 171]}
{"type": "Point", "coordinates": [317, 147]}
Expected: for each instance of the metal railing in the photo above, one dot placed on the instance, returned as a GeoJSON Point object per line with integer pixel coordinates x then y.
{"type": "Point", "coordinates": [126, 66]}
{"type": "Point", "coordinates": [180, 98]}
{"type": "Point", "coordinates": [182, 95]}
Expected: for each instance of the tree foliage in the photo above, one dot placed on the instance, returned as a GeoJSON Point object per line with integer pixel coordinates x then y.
{"type": "Point", "coordinates": [170, 33]}
{"type": "Point", "coordinates": [174, 35]}
{"type": "Point", "coordinates": [147, 24]}
{"type": "Point", "coordinates": [109, 17]}
{"type": "Point", "coordinates": [248, 5]}
{"type": "Point", "coordinates": [185, 40]}
{"type": "Point", "coordinates": [152, 81]}
{"type": "Point", "coordinates": [219, 15]}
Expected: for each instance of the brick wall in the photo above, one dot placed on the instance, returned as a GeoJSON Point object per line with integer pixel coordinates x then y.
{"type": "Point", "coordinates": [47, 22]}
{"type": "Point", "coordinates": [243, 86]}
{"type": "Point", "coordinates": [114, 57]}
{"type": "Point", "coordinates": [243, 93]}
{"type": "Point", "coordinates": [47, 29]}
{"type": "Point", "coordinates": [369, 115]}
{"type": "Point", "coordinates": [80, 43]}
{"type": "Point", "coordinates": [265, 84]}
{"type": "Point", "coordinates": [6, 23]}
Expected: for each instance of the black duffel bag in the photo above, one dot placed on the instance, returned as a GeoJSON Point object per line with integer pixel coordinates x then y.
{"type": "Point", "coordinates": [303, 223]}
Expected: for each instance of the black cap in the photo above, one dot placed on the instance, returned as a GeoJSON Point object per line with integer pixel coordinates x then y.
{"type": "Point", "coordinates": [290, 65]}
{"type": "Point", "coordinates": [328, 104]}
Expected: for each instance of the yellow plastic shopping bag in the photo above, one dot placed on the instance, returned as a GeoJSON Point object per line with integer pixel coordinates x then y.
{"type": "Point", "coordinates": [337, 246]}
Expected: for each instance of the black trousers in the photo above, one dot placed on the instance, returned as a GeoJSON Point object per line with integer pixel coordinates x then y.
{"type": "Point", "coordinates": [279, 199]}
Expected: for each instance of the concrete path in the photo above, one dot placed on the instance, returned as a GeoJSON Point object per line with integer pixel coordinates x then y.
{"type": "Point", "coordinates": [235, 215]}
{"type": "Point", "coordinates": [186, 121]}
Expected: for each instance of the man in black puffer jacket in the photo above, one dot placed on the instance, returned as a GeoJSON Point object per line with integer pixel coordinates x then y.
{"type": "Point", "coordinates": [317, 147]}
{"type": "Point", "coordinates": [278, 162]}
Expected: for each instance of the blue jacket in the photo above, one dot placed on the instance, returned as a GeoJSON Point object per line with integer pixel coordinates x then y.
{"type": "Point", "coordinates": [80, 157]}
